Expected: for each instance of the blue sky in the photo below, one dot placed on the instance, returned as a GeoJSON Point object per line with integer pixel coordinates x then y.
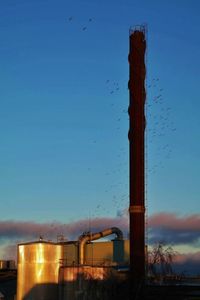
{"type": "Point", "coordinates": [64, 146]}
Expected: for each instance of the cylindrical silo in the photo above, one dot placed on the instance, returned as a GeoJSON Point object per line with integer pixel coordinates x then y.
{"type": "Point", "coordinates": [38, 268]}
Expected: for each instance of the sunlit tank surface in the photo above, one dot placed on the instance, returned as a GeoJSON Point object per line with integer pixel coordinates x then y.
{"type": "Point", "coordinates": [38, 268]}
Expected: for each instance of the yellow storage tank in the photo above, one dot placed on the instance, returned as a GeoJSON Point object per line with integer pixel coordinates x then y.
{"type": "Point", "coordinates": [38, 268]}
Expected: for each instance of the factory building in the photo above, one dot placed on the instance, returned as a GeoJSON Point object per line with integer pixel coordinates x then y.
{"type": "Point", "coordinates": [7, 265]}
{"type": "Point", "coordinates": [98, 253]}
{"type": "Point", "coordinates": [48, 270]}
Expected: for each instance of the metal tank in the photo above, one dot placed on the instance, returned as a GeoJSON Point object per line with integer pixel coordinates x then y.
{"type": "Point", "coordinates": [38, 268]}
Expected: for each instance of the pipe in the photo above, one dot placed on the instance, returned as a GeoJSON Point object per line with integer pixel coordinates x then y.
{"type": "Point", "coordinates": [88, 237]}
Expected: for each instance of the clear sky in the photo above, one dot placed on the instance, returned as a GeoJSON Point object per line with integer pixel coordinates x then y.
{"type": "Point", "coordinates": [63, 107]}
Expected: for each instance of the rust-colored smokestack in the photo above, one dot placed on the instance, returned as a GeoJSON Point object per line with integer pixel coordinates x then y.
{"type": "Point", "coordinates": [136, 144]}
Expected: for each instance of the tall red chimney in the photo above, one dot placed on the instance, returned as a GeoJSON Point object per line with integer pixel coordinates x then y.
{"type": "Point", "coordinates": [136, 153]}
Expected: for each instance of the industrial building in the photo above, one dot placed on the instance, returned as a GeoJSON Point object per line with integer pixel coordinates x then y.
{"type": "Point", "coordinates": [7, 265]}
{"type": "Point", "coordinates": [8, 275]}
{"type": "Point", "coordinates": [48, 270]}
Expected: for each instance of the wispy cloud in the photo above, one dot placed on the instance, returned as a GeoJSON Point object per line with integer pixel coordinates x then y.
{"type": "Point", "coordinates": [174, 229]}
{"type": "Point", "coordinates": [167, 227]}
{"type": "Point", "coordinates": [10, 230]}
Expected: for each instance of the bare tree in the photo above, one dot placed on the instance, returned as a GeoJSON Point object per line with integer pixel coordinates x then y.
{"type": "Point", "coordinates": [160, 260]}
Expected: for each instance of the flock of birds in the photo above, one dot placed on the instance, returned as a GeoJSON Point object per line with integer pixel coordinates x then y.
{"type": "Point", "coordinates": [113, 86]}
{"type": "Point", "coordinates": [84, 27]}
{"type": "Point", "coordinates": [159, 126]}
